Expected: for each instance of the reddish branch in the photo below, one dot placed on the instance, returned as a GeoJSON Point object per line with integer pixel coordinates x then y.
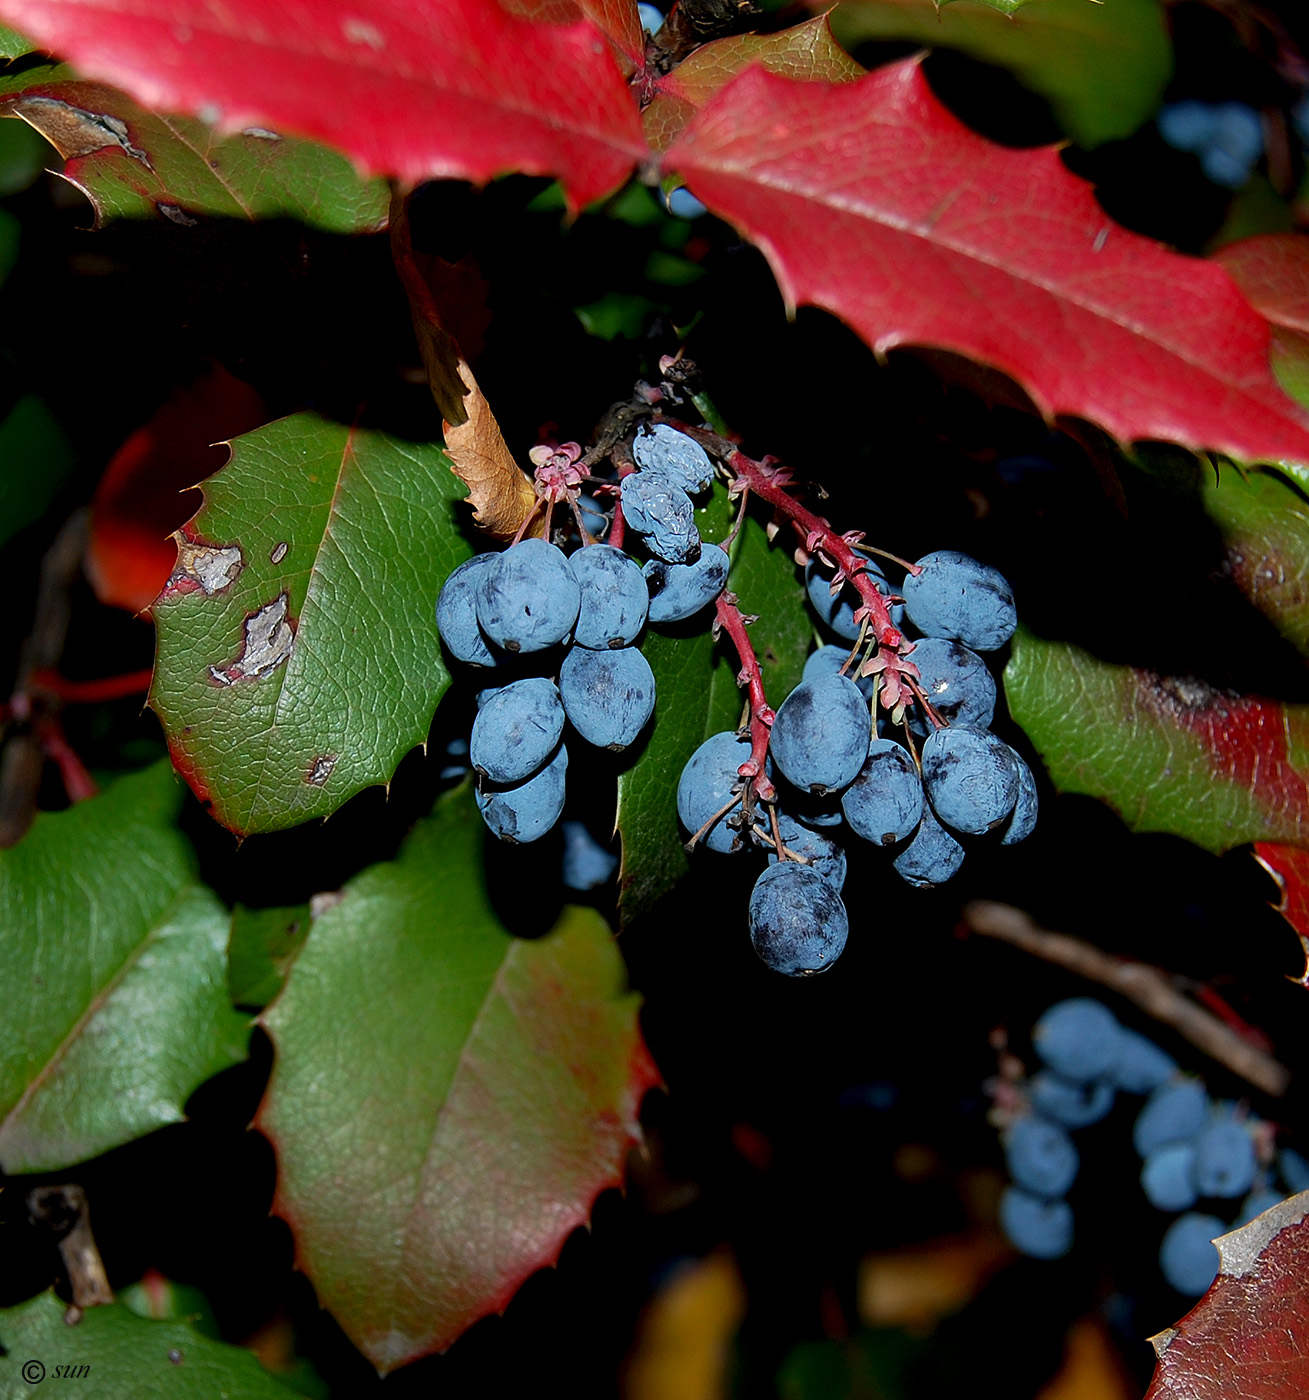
{"type": "Point", "coordinates": [731, 620]}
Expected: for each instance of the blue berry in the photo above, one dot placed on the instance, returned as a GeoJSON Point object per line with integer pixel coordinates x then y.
{"type": "Point", "coordinates": [1035, 1226]}
{"type": "Point", "coordinates": [1026, 806]}
{"type": "Point", "coordinates": [1294, 1169]}
{"type": "Point", "coordinates": [1224, 1159]}
{"type": "Point", "coordinates": [1041, 1156]}
{"type": "Point", "coordinates": [1187, 1257]}
{"type": "Point", "coordinates": [1187, 126]}
{"type": "Point", "coordinates": [684, 205]}
{"type": "Point", "coordinates": [798, 924]}
{"type": "Point", "coordinates": [526, 812]}
{"type": "Point", "coordinates": [1078, 1038]}
{"type": "Point", "coordinates": [456, 614]}
{"type": "Point", "coordinates": [1067, 1103]}
{"type": "Point", "coordinates": [885, 802]}
{"type": "Point", "coordinates": [828, 660]}
{"type": "Point", "coordinates": [586, 864]}
{"type": "Point", "coordinates": [1255, 1204]}
{"type": "Point", "coordinates": [932, 857]}
{"type": "Point", "coordinates": [820, 736]}
{"type": "Point", "coordinates": [527, 597]}
{"type": "Point", "coordinates": [614, 600]}
{"type": "Point", "coordinates": [516, 730]}
{"type": "Point", "coordinates": [970, 777]}
{"type": "Point", "coordinates": [955, 596]}
{"type": "Point", "coordinates": [608, 695]}
{"type": "Point", "coordinates": [955, 679]}
{"type": "Point", "coordinates": [679, 591]}
{"type": "Point", "coordinates": [657, 509]}
{"type": "Point", "coordinates": [652, 18]}
{"type": "Point", "coordinates": [706, 786]}
{"type": "Point", "coordinates": [595, 517]}
{"type": "Point", "coordinates": [1224, 169]}
{"type": "Point", "coordinates": [823, 854]}
{"type": "Point", "coordinates": [1168, 1177]}
{"type": "Point", "coordinates": [1173, 1113]}
{"type": "Point", "coordinates": [661, 447]}
{"type": "Point", "coordinates": [1141, 1066]}
{"type": "Point", "coordinates": [837, 610]}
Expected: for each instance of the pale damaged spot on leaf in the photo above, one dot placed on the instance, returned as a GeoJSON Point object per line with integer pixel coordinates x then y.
{"type": "Point", "coordinates": [269, 637]}
{"type": "Point", "coordinates": [175, 214]}
{"type": "Point", "coordinates": [359, 31]}
{"type": "Point", "coordinates": [321, 769]}
{"type": "Point", "coordinates": [261, 133]}
{"type": "Point", "coordinates": [279, 552]}
{"type": "Point", "coordinates": [1239, 1252]}
{"type": "Point", "coordinates": [206, 568]}
{"type": "Point", "coordinates": [75, 132]}
{"type": "Point", "coordinates": [320, 903]}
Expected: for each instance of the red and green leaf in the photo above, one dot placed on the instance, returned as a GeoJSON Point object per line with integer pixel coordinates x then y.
{"type": "Point", "coordinates": [1289, 866]}
{"type": "Point", "coordinates": [870, 199]}
{"type": "Point", "coordinates": [432, 1157]}
{"type": "Point", "coordinates": [1244, 1336]}
{"type": "Point", "coordinates": [1167, 753]}
{"type": "Point", "coordinates": [418, 89]}
{"type": "Point", "coordinates": [1273, 271]}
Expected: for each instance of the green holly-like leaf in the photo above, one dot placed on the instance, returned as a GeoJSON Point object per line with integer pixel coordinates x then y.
{"type": "Point", "coordinates": [112, 960]}
{"type": "Point", "coordinates": [131, 162]}
{"type": "Point", "coordinates": [695, 681]}
{"type": "Point", "coordinates": [1102, 67]}
{"type": "Point", "coordinates": [115, 1355]}
{"type": "Point", "coordinates": [261, 947]}
{"type": "Point", "coordinates": [1263, 517]}
{"type": "Point", "coordinates": [13, 44]}
{"type": "Point", "coordinates": [1168, 753]}
{"type": "Point", "coordinates": [298, 657]}
{"type": "Point", "coordinates": [447, 1100]}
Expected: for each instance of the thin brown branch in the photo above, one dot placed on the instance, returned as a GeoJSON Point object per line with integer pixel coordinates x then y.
{"type": "Point", "coordinates": [1149, 987]}
{"type": "Point", "coordinates": [64, 1211]}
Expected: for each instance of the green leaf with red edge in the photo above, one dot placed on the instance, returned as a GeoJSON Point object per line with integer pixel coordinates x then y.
{"type": "Point", "coordinates": [1273, 271]}
{"type": "Point", "coordinates": [1168, 754]}
{"type": "Point", "coordinates": [806, 52]}
{"type": "Point", "coordinates": [1244, 1337]}
{"type": "Point", "coordinates": [438, 1146]}
{"type": "Point", "coordinates": [130, 162]}
{"type": "Point", "coordinates": [113, 963]}
{"type": "Point", "coordinates": [695, 680]}
{"type": "Point", "coordinates": [127, 1356]}
{"type": "Point", "coordinates": [1103, 68]}
{"type": "Point", "coordinates": [298, 659]}
{"type": "Point", "coordinates": [870, 199]}
{"type": "Point", "coordinates": [1289, 866]}
{"type": "Point", "coordinates": [417, 89]}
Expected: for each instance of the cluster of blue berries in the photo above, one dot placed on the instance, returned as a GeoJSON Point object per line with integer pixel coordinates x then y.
{"type": "Point", "coordinates": [556, 634]}
{"type": "Point", "coordinates": [912, 779]}
{"type": "Point", "coordinates": [1228, 137]}
{"type": "Point", "coordinates": [1194, 1149]}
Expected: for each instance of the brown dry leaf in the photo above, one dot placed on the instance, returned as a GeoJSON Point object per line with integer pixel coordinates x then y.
{"type": "Point", "coordinates": [1245, 1337]}
{"type": "Point", "coordinates": [448, 304]}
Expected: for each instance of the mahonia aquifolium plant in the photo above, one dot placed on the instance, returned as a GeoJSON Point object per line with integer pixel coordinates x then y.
{"type": "Point", "coordinates": [886, 738]}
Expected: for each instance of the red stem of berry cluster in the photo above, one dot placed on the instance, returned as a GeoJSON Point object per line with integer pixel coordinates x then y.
{"type": "Point", "coordinates": [817, 533]}
{"type": "Point", "coordinates": [732, 621]}
{"type": "Point", "coordinates": [618, 526]}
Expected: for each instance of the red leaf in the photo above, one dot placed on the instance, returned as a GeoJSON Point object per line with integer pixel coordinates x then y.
{"type": "Point", "coordinates": [1289, 866]}
{"type": "Point", "coordinates": [1273, 272]}
{"type": "Point", "coordinates": [144, 494]}
{"type": "Point", "coordinates": [873, 201]}
{"type": "Point", "coordinates": [618, 19]}
{"type": "Point", "coordinates": [412, 88]}
{"type": "Point", "coordinates": [1245, 1336]}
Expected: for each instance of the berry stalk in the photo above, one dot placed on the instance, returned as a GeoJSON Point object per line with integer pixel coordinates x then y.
{"type": "Point", "coordinates": [729, 618]}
